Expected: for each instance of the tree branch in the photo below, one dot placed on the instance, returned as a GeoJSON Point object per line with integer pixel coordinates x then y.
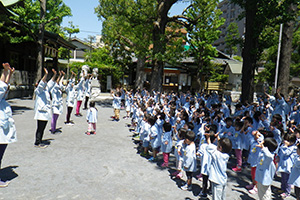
{"type": "Point", "coordinates": [128, 41]}
{"type": "Point", "coordinates": [191, 5]}
{"type": "Point", "coordinates": [51, 20]}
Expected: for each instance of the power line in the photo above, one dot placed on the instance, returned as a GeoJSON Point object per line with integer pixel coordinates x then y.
{"type": "Point", "coordinates": [89, 31]}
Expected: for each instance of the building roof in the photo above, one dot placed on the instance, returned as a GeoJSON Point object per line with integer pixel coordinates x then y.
{"type": "Point", "coordinates": [7, 3]}
{"type": "Point", "coordinates": [235, 67]}
{"type": "Point", "coordinates": [59, 40]}
{"type": "Point", "coordinates": [85, 44]}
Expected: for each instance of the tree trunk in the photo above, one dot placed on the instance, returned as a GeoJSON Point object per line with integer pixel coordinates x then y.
{"type": "Point", "coordinates": [159, 44]}
{"type": "Point", "coordinates": [286, 53]}
{"type": "Point", "coordinates": [199, 73]}
{"type": "Point", "coordinates": [40, 42]}
{"type": "Point", "coordinates": [249, 52]}
{"type": "Point", "coordinates": [198, 80]}
{"type": "Point", "coordinates": [139, 79]}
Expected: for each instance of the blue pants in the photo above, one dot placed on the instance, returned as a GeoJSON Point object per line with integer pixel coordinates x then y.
{"type": "Point", "coordinates": [284, 185]}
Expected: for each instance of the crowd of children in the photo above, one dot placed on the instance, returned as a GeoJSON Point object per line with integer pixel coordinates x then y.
{"type": "Point", "coordinates": [264, 136]}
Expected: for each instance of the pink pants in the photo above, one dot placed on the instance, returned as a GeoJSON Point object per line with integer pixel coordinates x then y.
{"type": "Point", "coordinates": [166, 158]}
{"type": "Point", "coordinates": [78, 107]}
{"type": "Point", "coordinates": [92, 127]}
{"type": "Point", "coordinates": [238, 154]}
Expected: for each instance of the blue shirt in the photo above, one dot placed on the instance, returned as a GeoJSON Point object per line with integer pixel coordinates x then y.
{"type": "Point", "coordinates": [205, 159]}
{"type": "Point", "coordinates": [287, 156]}
{"type": "Point", "coordinates": [218, 165]}
{"type": "Point", "coordinates": [116, 102]}
{"type": "Point", "coordinates": [189, 158]}
{"type": "Point", "coordinates": [265, 169]}
{"type": "Point", "coordinates": [295, 174]}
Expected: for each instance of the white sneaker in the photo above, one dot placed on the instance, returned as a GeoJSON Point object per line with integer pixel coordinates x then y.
{"type": "Point", "coordinates": [186, 187]}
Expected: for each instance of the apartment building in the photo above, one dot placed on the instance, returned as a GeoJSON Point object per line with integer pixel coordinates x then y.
{"type": "Point", "coordinates": [231, 13]}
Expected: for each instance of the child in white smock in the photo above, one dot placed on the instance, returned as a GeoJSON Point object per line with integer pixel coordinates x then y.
{"type": "Point", "coordinates": [166, 145]}
{"type": "Point", "coordinates": [91, 117]}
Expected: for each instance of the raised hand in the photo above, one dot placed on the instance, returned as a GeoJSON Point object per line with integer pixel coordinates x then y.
{"type": "Point", "coordinates": [6, 66]}
{"type": "Point", "coordinates": [261, 145]}
{"type": "Point", "coordinates": [12, 70]}
{"type": "Point", "coordinates": [54, 71]}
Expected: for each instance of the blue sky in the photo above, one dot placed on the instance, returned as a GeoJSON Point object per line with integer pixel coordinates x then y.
{"type": "Point", "coordinates": [87, 21]}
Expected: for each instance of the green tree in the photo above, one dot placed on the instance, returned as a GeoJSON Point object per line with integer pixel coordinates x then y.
{"type": "Point", "coordinates": [127, 29]}
{"type": "Point", "coordinates": [156, 20]}
{"type": "Point", "coordinates": [71, 29]}
{"type": "Point", "coordinates": [258, 14]}
{"type": "Point", "coordinates": [102, 59]}
{"type": "Point", "coordinates": [232, 39]}
{"type": "Point", "coordinates": [204, 21]}
{"type": "Point", "coordinates": [35, 16]}
{"type": "Point", "coordinates": [269, 55]}
{"type": "Point", "coordinates": [28, 16]}
{"type": "Point", "coordinates": [129, 26]}
{"type": "Point", "coordinates": [290, 15]}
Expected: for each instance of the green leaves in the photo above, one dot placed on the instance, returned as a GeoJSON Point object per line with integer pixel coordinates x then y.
{"type": "Point", "coordinates": [232, 39]}
{"type": "Point", "coordinates": [28, 16]}
{"type": "Point", "coordinates": [203, 29]}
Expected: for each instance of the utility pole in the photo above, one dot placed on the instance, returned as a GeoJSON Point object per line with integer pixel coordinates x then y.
{"type": "Point", "coordinates": [278, 57]}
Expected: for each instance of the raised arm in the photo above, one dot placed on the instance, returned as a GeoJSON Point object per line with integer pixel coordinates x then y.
{"type": "Point", "coordinates": [54, 75]}
{"type": "Point", "coordinates": [5, 72]}
{"type": "Point", "coordinates": [62, 76]}
{"type": "Point", "coordinates": [59, 77]}
{"type": "Point", "coordinates": [73, 75]}
{"type": "Point", "coordinates": [11, 71]}
{"type": "Point", "coordinates": [44, 79]}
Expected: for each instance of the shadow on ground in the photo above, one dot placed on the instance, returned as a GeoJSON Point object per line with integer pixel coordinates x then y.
{"type": "Point", "coordinates": [8, 173]}
{"type": "Point", "coordinates": [107, 103]}
{"type": "Point", "coordinates": [18, 110]}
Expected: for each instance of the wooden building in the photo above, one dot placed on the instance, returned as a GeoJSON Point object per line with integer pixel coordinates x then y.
{"type": "Point", "coordinates": [22, 56]}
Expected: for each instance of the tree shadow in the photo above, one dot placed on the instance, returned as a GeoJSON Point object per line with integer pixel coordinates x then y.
{"type": "Point", "coordinates": [244, 195]}
{"type": "Point", "coordinates": [180, 182]}
{"type": "Point", "coordinates": [18, 110]}
{"type": "Point", "coordinates": [105, 103]}
{"type": "Point", "coordinates": [8, 173]}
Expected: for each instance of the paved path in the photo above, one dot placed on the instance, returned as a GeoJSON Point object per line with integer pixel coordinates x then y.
{"type": "Point", "coordinates": [101, 166]}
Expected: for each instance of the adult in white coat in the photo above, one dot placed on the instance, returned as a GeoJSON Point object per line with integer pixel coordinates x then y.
{"type": "Point", "coordinates": [70, 101]}
{"type": "Point", "coordinates": [80, 94]}
{"type": "Point", "coordinates": [57, 101]}
{"type": "Point", "coordinates": [42, 107]}
{"type": "Point", "coordinates": [7, 124]}
{"type": "Point", "coordinates": [87, 90]}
